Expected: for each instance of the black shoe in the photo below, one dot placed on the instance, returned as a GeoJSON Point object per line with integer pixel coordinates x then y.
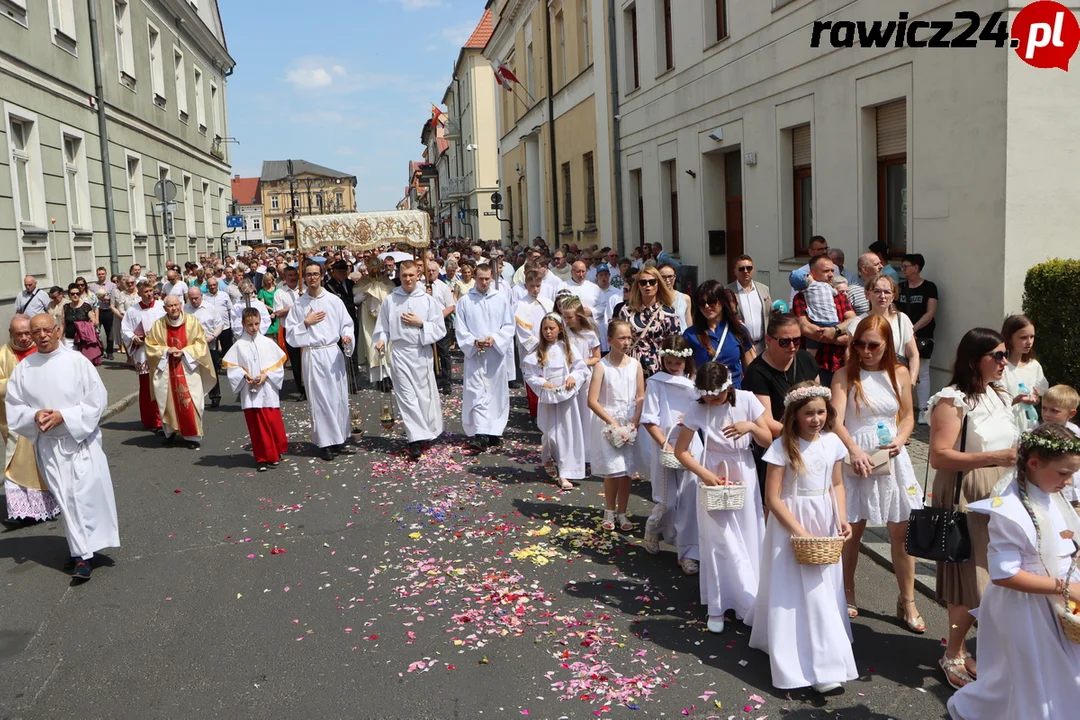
{"type": "Point", "coordinates": [414, 450]}
{"type": "Point", "coordinates": [81, 569]}
{"type": "Point", "coordinates": [192, 444]}
{"type": "Point", "coordinates": [273, 464]}
{"type": "Point", "coordinates": [327, 454]}
{"type": "Point", "coordinates": [214, 402]}
{"type": "Point", "coordinates": [108, 356]}
{"type": "Point", "coordinates": [494, 441]}
{"type": "Point", "coordinates": [158, 431]}
{"type": "Point", "coordinates": [168, 440]}
{"type": "Point", "coordinates": [263, 467]}
{"type": "Point", "coordinates": [477, 444]}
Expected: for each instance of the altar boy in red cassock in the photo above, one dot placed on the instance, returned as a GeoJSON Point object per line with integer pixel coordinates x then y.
{"type": "Point", "coordinates": [256, 368]}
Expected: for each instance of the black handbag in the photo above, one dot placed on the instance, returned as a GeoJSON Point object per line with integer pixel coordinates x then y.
{"type": "Point", "coordinates": [940, 534]}
{"type": "Point", "coordinates": [925, 346]}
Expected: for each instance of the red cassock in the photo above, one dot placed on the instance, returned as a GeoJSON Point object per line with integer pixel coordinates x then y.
{"type": "Point", "coordinates": [148, 408]}
{"type": "Point", "coordinates": [267, 430]}
{"type": "Point", "coordinates": [187, 420]}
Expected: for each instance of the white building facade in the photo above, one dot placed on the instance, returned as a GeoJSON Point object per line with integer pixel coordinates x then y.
{"type": "Point", "coordinates": [739, 137]}
{"type": "Point", "coordinates": [164, 67]}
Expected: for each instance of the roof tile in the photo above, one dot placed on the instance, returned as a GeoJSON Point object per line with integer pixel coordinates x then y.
{"type": "Point", "coordinates": [482, 33]}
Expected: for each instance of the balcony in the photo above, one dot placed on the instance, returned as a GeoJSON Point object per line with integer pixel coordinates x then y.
{"type": "Point", "coordinates": [453, 130]}
{"type": "Point", "coordinates": [457, 186]}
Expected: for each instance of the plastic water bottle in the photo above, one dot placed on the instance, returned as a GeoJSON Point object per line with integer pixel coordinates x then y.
{"type": "Point", "coordinates": [1029, 410]}
{"type": "Point", "coordinates": [883, 435]}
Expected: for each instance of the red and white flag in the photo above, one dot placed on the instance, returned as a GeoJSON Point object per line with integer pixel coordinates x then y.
{"type": "Point", "coordinates": [503, 75]}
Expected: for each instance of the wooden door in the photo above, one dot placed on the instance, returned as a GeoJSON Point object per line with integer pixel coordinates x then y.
{"type": "Point", "coordinates": [733, 205]}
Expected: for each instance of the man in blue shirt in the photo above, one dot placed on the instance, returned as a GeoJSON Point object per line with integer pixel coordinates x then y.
{"type": "Point", "coordinates": [663, 257]}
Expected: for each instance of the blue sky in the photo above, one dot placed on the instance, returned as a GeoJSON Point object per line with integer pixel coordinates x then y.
{"type": "Point", "coordinates": [343, 83]}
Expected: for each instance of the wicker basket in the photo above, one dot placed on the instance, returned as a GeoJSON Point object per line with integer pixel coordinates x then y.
{"type": "Point", "coordinates": [1070, 624]}
{"type": "Point", "coordinates": [817, 550]}
{"type": "Point", "coordinates": [722, 497]}
{"type": "Point", "coordinates": [667, 457]}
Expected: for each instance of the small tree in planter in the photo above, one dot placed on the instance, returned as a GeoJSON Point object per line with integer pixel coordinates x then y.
{"type": "Point", "coordinates": [1052, 303]}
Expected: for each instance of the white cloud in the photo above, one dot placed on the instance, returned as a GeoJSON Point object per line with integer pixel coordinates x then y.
{"type": "Point", "coordinates": [457, 35]}
{"type": "Point", "coordinates": [306, 79]}
{"type": "Point", "coordinates": [316, 117]}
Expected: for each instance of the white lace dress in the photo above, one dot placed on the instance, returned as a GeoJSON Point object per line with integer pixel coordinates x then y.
{"type": "Point", "coordinates": [883, 498]}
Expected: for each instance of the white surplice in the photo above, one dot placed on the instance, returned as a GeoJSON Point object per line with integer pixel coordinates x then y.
{"type": "Point", "coordinates": [412, 362]}
{"type": "Point", "coordinates": [237, 314]}
{"type": "Point", "coordinates": [557, 411]}
{"type": "Point", "coordinates": [324, 364]}
{"type": "Point", "coordinates": [485, 405]}
{"type": "Point", "coordinates": [136, 323]}
{"type": "Point", "coordinates": [69, 456]}
{"type": "Point", "coordinates": [252, 355]}
{"type": "Point", "coordinates": [528, 314]}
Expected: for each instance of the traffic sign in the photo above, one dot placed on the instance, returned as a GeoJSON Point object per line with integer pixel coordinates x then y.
{"type": "Point", "coordinates": [489, 213]}
{"type": "Point", "coordinates": [165, 190]}
{"type": "Point", "coordinates": [234, 221]}
{"type": "Point", "coordinates": [460, 214]}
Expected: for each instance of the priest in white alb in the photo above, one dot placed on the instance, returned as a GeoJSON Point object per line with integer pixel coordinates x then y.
{"type": "Point", "coordinates": [55, 399]}
{"type": "Point", "coordinates": [316, 323]}
{"type": "Point", "coordinates": [181, 371]}
{"type": "Point", "coordinates": [485, 333]}
{"type": "Point", "coordinates": [411, 322]}
{"type": "Point", "coordinates": [137, 322]}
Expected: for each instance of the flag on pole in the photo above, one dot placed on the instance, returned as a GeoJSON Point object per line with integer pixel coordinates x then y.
{"type": "Point", "coordinates": [504, 76]}
{"type": "Point", "coordinates": [436, 114]}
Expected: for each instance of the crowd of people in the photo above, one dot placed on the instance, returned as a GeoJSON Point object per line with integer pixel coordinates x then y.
{"type": "Point", "coordinates": [761, 429]}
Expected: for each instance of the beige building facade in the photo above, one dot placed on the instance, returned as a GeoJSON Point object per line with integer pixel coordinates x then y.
{"type": "Point", "coordinates": [291, 188]}
{"type": "Point", "coordinates": [738, 136]}
{"type": "Point", "coordinates": [555, 153]}
{"type": "Point", "coordinates": [164, 69]}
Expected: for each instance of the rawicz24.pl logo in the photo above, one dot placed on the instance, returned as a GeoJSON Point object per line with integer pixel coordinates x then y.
{"type": "Point", "coordinates": [1045, 34]}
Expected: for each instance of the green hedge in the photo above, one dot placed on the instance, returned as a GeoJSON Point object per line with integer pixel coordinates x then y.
{"type": "Point", "coordinates": [1052, 302]}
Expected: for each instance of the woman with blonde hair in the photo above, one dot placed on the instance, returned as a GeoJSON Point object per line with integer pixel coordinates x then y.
{"type": "Point", "coordinates": [872, 398]}
{"type": "Point", "coordinates": [651, 318]}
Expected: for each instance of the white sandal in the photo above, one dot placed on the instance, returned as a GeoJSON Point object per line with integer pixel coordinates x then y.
{"type": "Point", "coordinates": [624, 523]}
{"type": "Point", "coordinates": [609, 520]}
{"type": "Point", "coordinates": [689, 566]}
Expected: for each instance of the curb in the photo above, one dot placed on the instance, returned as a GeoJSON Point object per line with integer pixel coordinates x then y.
{"type": "Point", "coordinates": [886, 563]}
{"type": "Point", "coordinates": [119, 406]}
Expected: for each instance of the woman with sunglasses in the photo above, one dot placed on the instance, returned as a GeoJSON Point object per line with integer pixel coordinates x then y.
{"type": "Point", "coordinates": [651, 318]}
{"type": "Point", "coordinates": [883, 293]}
{"type": "Point", "coordinates": [973, 437]}
{"type": "Point", "coordinates": [80, 326]}
{"type": "Point", "coordinates": [872, 391]}
{"type": "Point", "coordinates": [717, 334]}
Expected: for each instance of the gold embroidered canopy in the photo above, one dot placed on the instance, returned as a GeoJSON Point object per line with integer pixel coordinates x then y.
{"type": "Point", "coordinates": [363, 231]}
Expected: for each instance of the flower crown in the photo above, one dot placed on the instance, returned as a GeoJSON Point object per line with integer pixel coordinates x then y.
{"type": "Point", "coordinates": [554, 316]}
{"type": "Point", "coordinates": [1031, 441]}
{"type": "Point", "coordinates": [722, 389]}
{"type": "Point", "coordinates": [805, 393]}
{"type": "Point", "coordinates": [678, 353]}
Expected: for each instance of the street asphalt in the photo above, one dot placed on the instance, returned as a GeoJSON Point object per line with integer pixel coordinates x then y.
{"type": "Point", "coordinates": [458, 588]}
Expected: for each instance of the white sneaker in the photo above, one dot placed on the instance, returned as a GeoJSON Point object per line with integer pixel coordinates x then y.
{"type": "Point", "coordinates": [828, 688]}
{"type": "Point", "coordinates": [923, 418]}
{"type": "Point", "coordinates": [716, 624]}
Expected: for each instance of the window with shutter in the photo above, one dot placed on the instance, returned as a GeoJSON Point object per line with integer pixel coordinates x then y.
{"type": "Point", "coordinates": [803, 188]}
{"type": "Point", "coordinates": [892, 176]}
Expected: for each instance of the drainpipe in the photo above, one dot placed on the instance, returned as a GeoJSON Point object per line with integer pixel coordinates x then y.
{"type": "Point", "coordinates": [103, 135]}
{"type": "Point", "coordinates": [616, 140]}
{"type": "Point", "coordinates": [551, 123]}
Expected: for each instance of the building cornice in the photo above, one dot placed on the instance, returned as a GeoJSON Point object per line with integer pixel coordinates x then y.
{"type": "Point", "coordinates": [190, 24]}
{"type": "Point", "coordinates": [507, 26]}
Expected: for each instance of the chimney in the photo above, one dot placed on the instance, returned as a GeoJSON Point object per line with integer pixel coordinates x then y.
{"type": "Point", "coordinates": [236, 177]}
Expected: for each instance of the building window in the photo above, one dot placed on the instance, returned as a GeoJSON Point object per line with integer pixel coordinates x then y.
{"type": "Point", "coordinates": [560, 33]}
{"type": "Point", "coordinates": [157, 72]}
{"type": "Point", "coordinates": [803, 189]}
{"type": "Point", "coordinates": [590, 190]}
{"type": "Point", "coordinates": [568, 216]}
{"type": "Point", "coordinates": [339, 201]}
{"type": "Point", "coordinates": [189, 206]}
{"type": "Point", "coordinates": [136, 196]}
{"type": "Point", "coordinates": [665, 42]}
{"type": "Point", "coordinates": [17, 11]}
{"type": "Point", "coordinates": [180, 75]}
{"type": "Point", "coordinates": [207, 214]}
{"type": "Point", "coordinates": [221, 205]}
{"type": "Point", "coordinates": [586, 47]}
{"type": "Point", "coordinates": [530, 86]}
{"type": "Point", "coordinates": [26, 168]}
{"type": "Point", "coordinates": [630, 16]}
{"type": "Point", "coordinates": [638, 231]}
{"type": "Point", "coordinates": [275, 225]}
{"type": "Point", "coordinates": [673, 205]}
{"type": "Point", "coordinates": [77, 184]}
{"type": "Point", "coordinates": [214, 111]}
{"type": "Point", "coordinates": [62, 16]}
{"type": "Point", "coordinates": [716, 20]}
{"type": "Point", "coordinates": [125, 55]}
{"type": "Point", "coordinates": [318, 201]}
{"type": "Point", "coordinates": [295, 202]}
{"type": "Point", "coordinates": [274, 202]}
{"type": "Point", "coordinates": [892, 176]}
{"type": "Point", "coordinates": [256, 223]}
{"type": "Point", "coordinates": [200, 102]}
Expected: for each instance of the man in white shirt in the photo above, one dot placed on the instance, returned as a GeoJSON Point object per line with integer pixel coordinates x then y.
{"type": "Point", "coordinates": [286, 296]}
{"type": "Point", "coordinates": [249, 299]}
{"type": "Point", "coordinates": [604, 305]}
{"type": "Point", "coordinates": [212, 325]}
{"type": "Point", "coordinates": [224, 305]}
{"type": "Point", "coordinates": [31, 301]}
{"type": "Point", "coordinates": [442, 294]}
{"type": "Point", "coordinates": [174, 285]}
{"type": "Point", "coordinates": [755, 301]}
{"type": "Point", "coordinates": [587, 292]}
